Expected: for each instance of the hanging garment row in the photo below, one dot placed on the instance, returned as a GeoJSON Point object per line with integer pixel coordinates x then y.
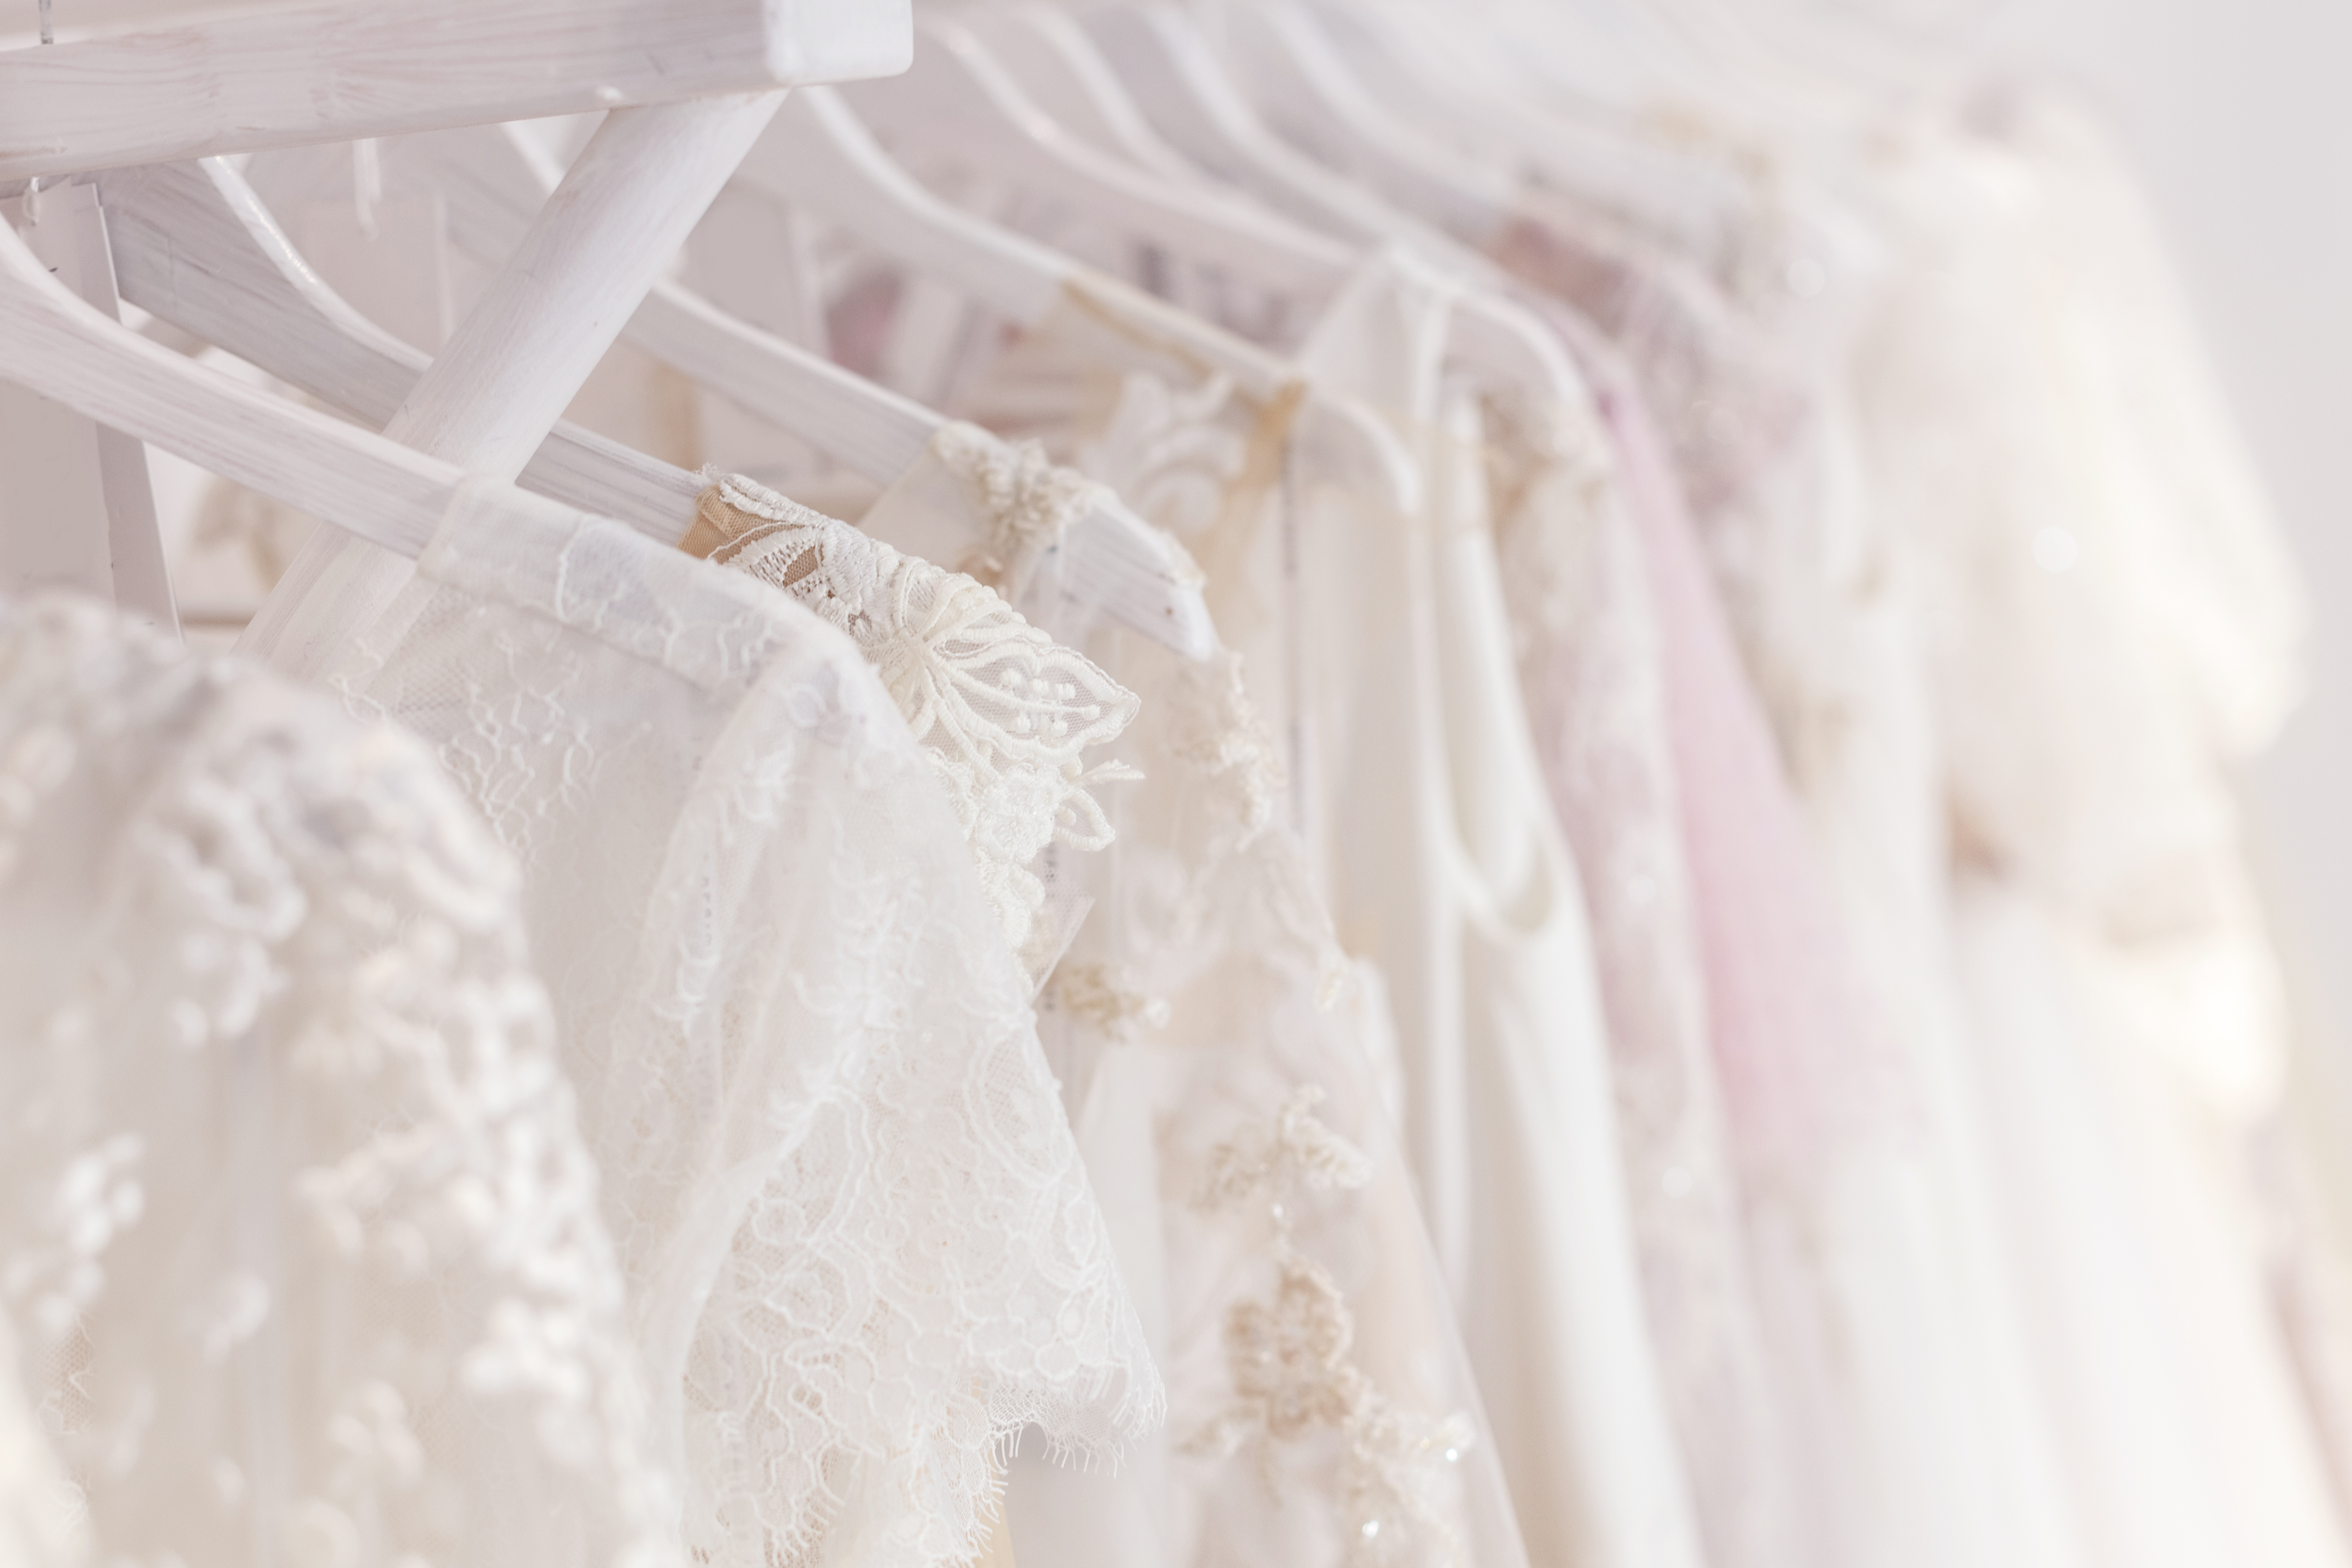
{"type": "Point", "coordinates": [1338, 781]}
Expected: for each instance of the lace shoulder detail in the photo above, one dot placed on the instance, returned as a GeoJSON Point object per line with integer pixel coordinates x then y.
{"type": "Point", "coordinates": [1024, 500]}
{"type": "Point", "coordinates": [1005, 713]}
{"type": "Point", "coordinates": [299, 1229]}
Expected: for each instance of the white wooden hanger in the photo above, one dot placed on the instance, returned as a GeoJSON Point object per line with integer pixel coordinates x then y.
{"type": "Point", "coordinates": [1304, 89]}
{"type": "Point", "coordinates": [590, 255]}
{"type": "Point", "coordinates": [1175, 78]}
{"type": "Point", "coordinates": [819, 156]}
{"type": "Point", "coordinates": [194, 247]}
{"type": "Point", "coordinates": [1061, 70]}
{"type": "Point", "coordinates": [1413, 59]}
{"type": "Point", "coordinates": [380, 490]}
{"type": "Point", "coordinates": [354, 68]}
{"type": "Point", "coordinates": [499, 385]}
{"type": "Point", "coordinates": [494, 184]}
{"type": "Point", "coordinates": [78, 506]}
{"type": "Point", "coordinates": [957, 99]}
{"type": "Point", "coordinates": [958, 102]}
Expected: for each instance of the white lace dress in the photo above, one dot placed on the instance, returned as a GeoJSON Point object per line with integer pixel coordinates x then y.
{"type": "Point", "coordinates": [1217, 1051]}
{"type": "Point", "coordinates": [299, 1239]}
{"type": "Point", "coordinates": [860, 1245]}
{"type": "Point", "coordinates": [1374, 642]}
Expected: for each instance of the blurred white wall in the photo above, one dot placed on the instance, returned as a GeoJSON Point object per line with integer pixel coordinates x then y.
{"type": "Point", "coordinates": [2238, 115]}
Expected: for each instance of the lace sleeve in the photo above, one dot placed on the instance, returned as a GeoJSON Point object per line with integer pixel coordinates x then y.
{"type": "Point", "coordinates": [299, 1229]}
{"type": "Point", "coordinates": [1004, 713]}
{"type": "Point", "coordinates": [859, 1244]}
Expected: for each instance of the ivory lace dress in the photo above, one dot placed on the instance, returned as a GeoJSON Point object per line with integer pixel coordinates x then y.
{"type": "Point", "coordinates": [859, 1243]}
{"type": "Point", "coordinates": [301, 1248]}
{"type": "Point", "coordinates": [1590, 674]}
{"type": "Point", "coordinates": [1217, 1054]}
{"type": "Point", "coordinates": [1373, 638]}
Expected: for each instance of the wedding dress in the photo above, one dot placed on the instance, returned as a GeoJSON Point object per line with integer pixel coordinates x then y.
{"type": "Point", "coordinates": [1702, 1316]}
{"type": "Point", "coordinates": [1865, 1154]}
{"type": "Point", "coordinates": [1216, 1050]}
{"type": "Point", "coordinates": [860, 1246]}
{"type": "Point", "coordinates": [1602, 700]}
{"type": "Point", "coordinates": [2107, 620]}
{"type": "Point", "coordinates": [1374, 637]}
{"type": "Point", "coordinates": [300, 1242]}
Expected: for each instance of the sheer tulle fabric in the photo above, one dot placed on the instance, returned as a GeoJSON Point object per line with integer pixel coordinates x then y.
{"type": "Point", "coordinates": [1332, 589]}
{"type": "Point", "coordinates": [858, 1239]}
{"type": "Point", "coordinates": [303, 1247]}
{"type": "Point", "coordinates": [1216, 1050]}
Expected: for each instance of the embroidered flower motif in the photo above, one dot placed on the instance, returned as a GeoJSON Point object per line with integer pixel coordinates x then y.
{"type": "Point", "coordinates": [1026, 500]}
{"type": "Point", "coordinates": [1005, 713]}
{"type": "Point", "coordinates": [1289, 1356]}
{"type": "Point", "coordinates": [1300, 1148]}
{"type": "Point", "coordinates": [1217, 727]}
{"type": "Point", "coordinates": [1105, 995]}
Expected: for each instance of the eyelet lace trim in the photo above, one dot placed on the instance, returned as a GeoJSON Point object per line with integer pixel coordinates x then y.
{"type": "Point", "coordinates": [1003, 712]}
{"type": "Point", "coordinates": [1294, 1375]}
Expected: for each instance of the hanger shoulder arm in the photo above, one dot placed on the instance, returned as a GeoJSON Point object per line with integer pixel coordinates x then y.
{"type": "Point", "coordinates": [1508, 346]}
{"type": "Point", "coordinates": [62, 347]}
{"type": "Point", "coordinates": [874, 430]}
{"type": "Point", "coordinates": [1139, 577]}
{"type": "Point", "coordinates": [193, 246]}
{"type": "Point", "coordinates": [817, 155]}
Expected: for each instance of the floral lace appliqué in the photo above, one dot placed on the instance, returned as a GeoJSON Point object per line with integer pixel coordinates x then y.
{"type": "Point", "coordinates": [1005, 713]}
{"type": "Point", "coordinates": [1290, 1354]}
{"type": "Point", "coordinates": [1107, 997]}
{"type": "Point", "coordinates": [1026, 502]}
